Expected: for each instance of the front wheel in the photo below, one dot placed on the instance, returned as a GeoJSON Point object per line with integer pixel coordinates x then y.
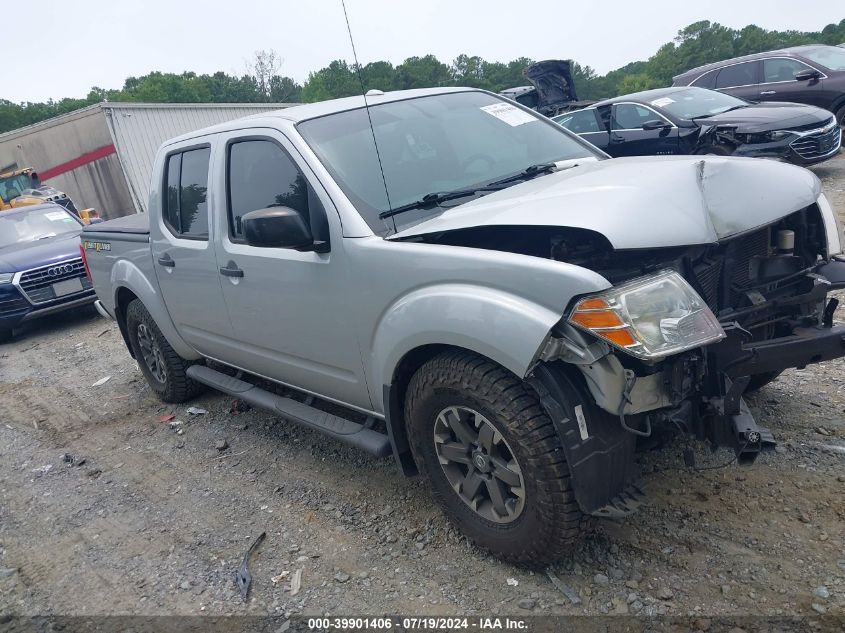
{"type": "Point", "coordinates": [493, 458]}
{"type": "Point", "coordinates": [163, 368]}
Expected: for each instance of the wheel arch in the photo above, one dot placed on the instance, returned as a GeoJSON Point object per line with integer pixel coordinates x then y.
{"type": "Point", "coordinates": [130, 283]}
{"type": "Point", "coordinates": [395, 392]}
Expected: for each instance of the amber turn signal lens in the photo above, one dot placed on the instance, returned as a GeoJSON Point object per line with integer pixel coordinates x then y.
{"type": "Point", "coordinates": [593, 320]}
{"type": "Point", "coordinates": [623, 338]}
{"type": "Point", "coordinates": [593, 304]}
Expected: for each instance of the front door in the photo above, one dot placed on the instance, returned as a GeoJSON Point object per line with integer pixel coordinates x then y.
{"type": "Point", "coordinates": [183, 257]}
{"type": "Point", "coordinates": [778, 83]}
{"type": "Point", "coordinates": [289, 309]}
{"type": "Point", "coordinates": [628, 138]}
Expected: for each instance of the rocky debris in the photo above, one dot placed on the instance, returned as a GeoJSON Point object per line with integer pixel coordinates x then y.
{"type": "Point", "coordinates": [601, 580]}
{"type": "Point", "coordinates": [821, 592]}
{"type": "Point", "coordinates": [664, 593]}
{"type": "Point", "coordinates": [526, 603]}
{"type": "Point", "coordinates": [342, 577]}
{"type": "Point", "coordinates": [221, 445]}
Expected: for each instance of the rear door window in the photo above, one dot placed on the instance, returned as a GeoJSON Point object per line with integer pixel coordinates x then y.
{"type": "Point", "coordinates": [582, 122]}
{"type": "Point", "coordinates": [186, 193]}
{"type": "Point", "coordinates": [744, 74]}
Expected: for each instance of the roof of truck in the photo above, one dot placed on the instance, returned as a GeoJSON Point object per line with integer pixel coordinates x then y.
{"type": "Point", "coordinates": [321, 108]}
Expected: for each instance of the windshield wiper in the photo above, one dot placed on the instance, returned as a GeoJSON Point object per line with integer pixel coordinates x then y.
{"type": "Point", "coordinates": [528, 172]}
{"type": "Point", "coordinates": [435, 199]}
{"type": "Point", "coordinates": [439, 197]}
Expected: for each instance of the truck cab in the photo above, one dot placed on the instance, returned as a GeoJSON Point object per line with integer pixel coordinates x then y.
{"type": "Point", "coordinates": [449, 278]}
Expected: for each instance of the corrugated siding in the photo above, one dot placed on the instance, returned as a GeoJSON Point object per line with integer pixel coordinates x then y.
{"type": "Point", "coordinates": [139, 129]}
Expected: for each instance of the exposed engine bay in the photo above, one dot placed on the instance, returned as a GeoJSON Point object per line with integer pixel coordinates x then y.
{"type": "Point", "coordinates": [762, 285]}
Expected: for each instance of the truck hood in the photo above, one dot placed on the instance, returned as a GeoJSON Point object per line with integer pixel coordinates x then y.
{"type": "Point", "coordinates": [644, 201]}
{"type": "Point", "coordinates": [26, 255]}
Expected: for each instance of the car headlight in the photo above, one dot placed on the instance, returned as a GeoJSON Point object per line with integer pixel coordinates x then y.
{"type": "Point", "coordinates": [6, 278]}
{"type": "Point", "coordinates": [650, 318]}
{"type": "Point", "coordinates": [769, 137]}
{"type": "Point", "coordinates": [832, 226]}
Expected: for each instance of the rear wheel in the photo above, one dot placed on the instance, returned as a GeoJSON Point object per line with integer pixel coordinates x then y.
{"type": "Point", "coordinates": [493, 458]}
{"type": "Point", "coordinates": [163, 368]}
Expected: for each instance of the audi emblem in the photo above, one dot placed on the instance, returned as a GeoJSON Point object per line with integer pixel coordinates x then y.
{"type": "Point", "coordinates": [58, 271]}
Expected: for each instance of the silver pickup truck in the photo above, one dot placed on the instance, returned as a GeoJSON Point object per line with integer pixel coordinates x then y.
{"type": "Point", "coordinates": [452, 279]}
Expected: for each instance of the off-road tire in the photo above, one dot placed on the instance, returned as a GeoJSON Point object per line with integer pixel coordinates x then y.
{"type": "Point", "coordinates": [550, 522]}
{"type": "Point", "coordinates": [176, 387]}
{"type": "Point", "coordinates": [758, 381]}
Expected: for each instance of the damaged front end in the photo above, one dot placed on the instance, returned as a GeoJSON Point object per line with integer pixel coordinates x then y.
{"type": "Point", "coordinates": [759, 305]}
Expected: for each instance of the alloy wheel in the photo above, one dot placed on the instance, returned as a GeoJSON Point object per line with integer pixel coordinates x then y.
{"type": "Point", "coordinates": [151, 352]}
{"type": "Point", "coordinates": [479, 464]}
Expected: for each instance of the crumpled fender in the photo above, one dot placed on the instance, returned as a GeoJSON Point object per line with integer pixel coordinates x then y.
{"type": "Point", "coordinates": [125, 274]}
{"type": "Point", "coordinates": [500, 326]}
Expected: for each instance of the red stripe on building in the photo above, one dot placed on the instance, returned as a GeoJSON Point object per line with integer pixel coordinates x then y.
{"type": "Point", "coordinates": [79, 161]}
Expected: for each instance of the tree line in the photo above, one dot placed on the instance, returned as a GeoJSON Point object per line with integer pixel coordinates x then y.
{"type": "Point", "coordinates": [699, 43]}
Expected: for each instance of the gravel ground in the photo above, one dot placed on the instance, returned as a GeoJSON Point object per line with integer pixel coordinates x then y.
{"type": "Point", "coordinates": [104, 509]}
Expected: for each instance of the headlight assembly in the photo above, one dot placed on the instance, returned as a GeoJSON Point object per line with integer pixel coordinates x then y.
{"type": "Point", "coordinates": [650, 318]}
{"type": "Point", "coordinates": [6, 278]}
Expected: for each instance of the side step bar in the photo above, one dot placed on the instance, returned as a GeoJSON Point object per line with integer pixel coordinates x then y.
{"type": "Point", "coordinates": [347, 431]}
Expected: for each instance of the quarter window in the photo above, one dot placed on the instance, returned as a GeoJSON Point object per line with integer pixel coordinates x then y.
{"type": "Point", "coordinates": [737, 75]}
{"type": "Point", "coordinates": [262, 175]}
{"type": "Point", "coordinates": [186, 193]}
{"type": "Point", "coordinates": [706, 80]}
{"type": "Point", "coordinates": [780, 69]}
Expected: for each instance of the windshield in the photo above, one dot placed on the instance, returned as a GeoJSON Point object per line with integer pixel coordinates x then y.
{"type": "Point", "coordinates": [35, 224]}
{"type": "Point", "coordinates": [432, 144]}
{"type": "Point", "coordinates": [692, 103]}
{"type": "Point", "coordinates": [12, 186]}
{"type": "Point", "coordinates": [831, 57]}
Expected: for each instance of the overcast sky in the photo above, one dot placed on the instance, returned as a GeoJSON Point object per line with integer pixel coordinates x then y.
{"type": "Point", "coordinates": [67, 46]}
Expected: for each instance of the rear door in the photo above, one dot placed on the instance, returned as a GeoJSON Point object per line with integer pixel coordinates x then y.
{"type": "Point", "coordinates": [586, 124]}
{"type": "Point", "coordinates": [740, 80]}
{"type": "Point", "coordinates": [628, 138]}
{"type": "Point", "coordinates": [183, 256]}
{"type": "Point", "coordinates": [288, 308]}
{"type": "Point", "coordinates": [778, 83]}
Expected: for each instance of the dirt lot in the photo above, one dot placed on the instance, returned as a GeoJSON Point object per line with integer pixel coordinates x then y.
{"type": "Point", "coordinates": [104, 509]}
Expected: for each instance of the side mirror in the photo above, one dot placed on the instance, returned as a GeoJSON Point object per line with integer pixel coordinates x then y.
{"type": "Point", "coordinates": [277, 227]}
{"type": "Point", "coordinates": [807, 75]}
{"type": "Point", "coordinates": [656, 124]}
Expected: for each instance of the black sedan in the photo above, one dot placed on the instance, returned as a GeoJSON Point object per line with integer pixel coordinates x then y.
{"type": "Point", "coordinates": [689, 120]}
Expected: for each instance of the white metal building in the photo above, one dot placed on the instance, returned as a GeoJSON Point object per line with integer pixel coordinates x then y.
{"type": "Point", "coordinates": [102, 155]}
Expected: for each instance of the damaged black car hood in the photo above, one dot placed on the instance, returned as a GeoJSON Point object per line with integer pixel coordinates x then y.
{"type": "Point", "coordinates": [766, 117]}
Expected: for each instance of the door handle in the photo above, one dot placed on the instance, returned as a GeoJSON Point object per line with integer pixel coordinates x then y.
{"type": "Point", "coordinates": [231, 270]}
{"type": "Point", "coordinates": [768, 92]}
{"type": "Point", "coordinates": [166, 260]}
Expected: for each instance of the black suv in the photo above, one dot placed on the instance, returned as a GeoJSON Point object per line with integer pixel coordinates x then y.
{"type": "Point", "coordinates": [814, 75]}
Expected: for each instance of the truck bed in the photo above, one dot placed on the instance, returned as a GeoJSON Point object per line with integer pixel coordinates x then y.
{"type": "Point", "coordinates": [137, 224]}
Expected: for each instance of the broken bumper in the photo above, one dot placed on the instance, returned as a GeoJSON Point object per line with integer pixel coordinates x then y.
{"type": "Point", "coordinates": [804, 347]}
